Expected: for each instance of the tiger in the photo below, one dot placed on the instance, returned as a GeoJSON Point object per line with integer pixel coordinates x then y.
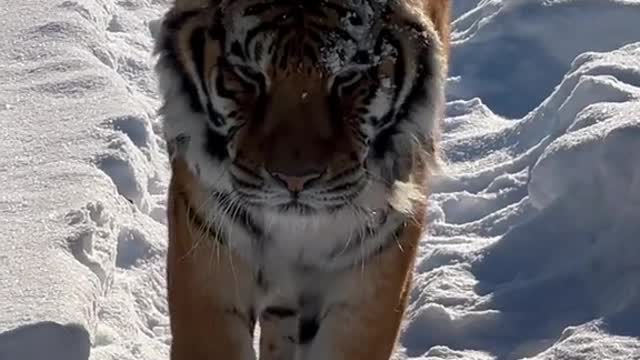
{"type": "Point", "coordinates": [301, 136]}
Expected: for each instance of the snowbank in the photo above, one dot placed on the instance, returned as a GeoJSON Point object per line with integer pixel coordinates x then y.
{"type": "Point", "coordinates": [81, 176]}
{"type": "Point", "coordinates": [534, 239]}
{"type": "Point", "coordinates": [511, 53]}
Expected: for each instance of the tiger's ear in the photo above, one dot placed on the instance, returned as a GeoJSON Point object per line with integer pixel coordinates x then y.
{"type": "Point", "coordinates": [185, 5]}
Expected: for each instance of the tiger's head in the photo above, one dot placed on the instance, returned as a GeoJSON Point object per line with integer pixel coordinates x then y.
{"type": "Point", "coordinates": [304, 107]}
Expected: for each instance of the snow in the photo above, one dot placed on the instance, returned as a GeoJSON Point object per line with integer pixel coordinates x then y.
{"type": "Point", "coordinates": [532, 251]}
{"type": "Point", "coordinates": [543, 35]}
{"type": "Point", "coordinates": [83, 181]}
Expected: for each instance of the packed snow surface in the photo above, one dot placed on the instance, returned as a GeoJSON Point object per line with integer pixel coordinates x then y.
{"type": "Point", "coordinates": [533, 251]}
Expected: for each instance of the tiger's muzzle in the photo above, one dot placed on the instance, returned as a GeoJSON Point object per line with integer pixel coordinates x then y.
{"type": "Point", "coordinates": [298, 155]}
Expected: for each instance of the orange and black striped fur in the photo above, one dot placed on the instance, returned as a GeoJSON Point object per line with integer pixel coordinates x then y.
{"type": "Point", "coordinates": [301, 134]}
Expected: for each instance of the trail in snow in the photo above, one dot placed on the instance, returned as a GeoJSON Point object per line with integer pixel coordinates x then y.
{"type": "Point", "coordinates": [532, 251]}
{"type": "Point", "coordinates": [83, 177]}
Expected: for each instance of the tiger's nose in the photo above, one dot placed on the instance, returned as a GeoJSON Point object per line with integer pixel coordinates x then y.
{"type": "Point", "coordinates": [297, 183]}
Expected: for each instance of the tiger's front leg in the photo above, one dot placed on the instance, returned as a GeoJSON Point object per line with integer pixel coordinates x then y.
{"type": "Point", "coordinates": [206, 325]}
{"type": "Point", "coordinates": [364, 323]}
{"type": "Point", "coordinates": [209, 291]}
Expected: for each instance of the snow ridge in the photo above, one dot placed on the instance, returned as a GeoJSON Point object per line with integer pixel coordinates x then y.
{"type": "Point", "coordinates": [84, 180]}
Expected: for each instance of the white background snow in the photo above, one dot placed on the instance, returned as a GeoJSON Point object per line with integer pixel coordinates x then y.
{"type": "Point", "coordinates": [533, 250]}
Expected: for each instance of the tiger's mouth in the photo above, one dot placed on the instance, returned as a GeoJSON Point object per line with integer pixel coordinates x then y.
{"type": "Point", "coordinates": [298, 194]}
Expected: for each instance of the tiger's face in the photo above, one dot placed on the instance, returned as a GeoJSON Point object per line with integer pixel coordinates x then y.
{"type": "Point", "coordinates": [302, 107]}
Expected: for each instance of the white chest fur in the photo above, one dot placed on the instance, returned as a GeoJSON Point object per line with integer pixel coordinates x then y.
{"type": "Point", "coordinates": [291, 250]}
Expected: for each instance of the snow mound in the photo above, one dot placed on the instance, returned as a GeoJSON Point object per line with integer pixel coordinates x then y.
{"type": "Point", "coordinates": [532, 251]}
{"type": "Point", "coordinates": [83, 177]}
{"type": "Point", "coordinates": [45, 340]}
{"type": "Point", "coordinates": [511, 53]}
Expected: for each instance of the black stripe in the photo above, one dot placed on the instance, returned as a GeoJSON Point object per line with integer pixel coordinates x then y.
{"type": "Point", "coordinates": [241, 216]}
{"type": "Point", "coordinates": [175, 20]}
{"type": "Point", "coordinates": [216, 145]}
{"type": "Point", "coordinates": [199, 224]}
{"type": "Point", "coordinates": [370, 92]}
{"type": "Point", "coordinates": [355, 19]}
{"type": "Point", "coordinates": [216, 31]}
{"type": "Point", "coordinates": [284, 57]}
{"type": "Point", "coordinates": [345, 186]}
{"type": "Point", "coordinates": [236, 49]}
{"type": "Point", "coordinates": [301, 209]}
{"type": "Point", "coordinates": [258, 83]}
{"type": "Point", "coordinates": [307, 330]}
{"type": "Point", "coordinates": [355, 245]}
{"type": "Point", "coordinates": [247, 319]}
{"type": "Point", "coordinates": [340, 10]}
{"type": "Point", "coordinates": [361, 110]}
{"type": "Point", "coordinates": [415, 26]}
{"type": "Point", "coordinates": [279, 311]}
{"type": "Point", "coordinates": [361, 136]}
{"type": "Point", "coordinates": [169, 56]}
{"type": "Point", "coordinates": [221, 89]}
{"type": "Point", "coordinates": [423, 74]}
{"type": "Point", "coordinates": [316, 12]}
{"type": "Point", "coordinates": [346, 84]}
{"type": "Point", "coordinates": [260, 280]}
{"type": "Point", "coordinates": [345, 197]}
{"type": "Point", "coordinates": [198, 43]}
{"type": "Point", "coordinates": [262, 28]}
{"type": "Point", "coordinates": [258, 9]}
{"type": "Point", "coordinates": [335, 31]}
{"type": "Point", "coordinates": [341, 175]}
{"type": "Point", "coordinates": [361, 57]}
{"type": "Point", "coordinates": [310, 53]}
{"type": "Point", "coordinates": [225, 68]}
{"type": "Point", "coordinates": [393, 240]}
{"type": "Point", "coordinates": [247, 169]}
{"type": "Point", "coordinates": [315, 36]}
{"type": "Point", "coordinates": [399, 71]}
{"type": "Point", "coordinates": [283, 44]}
{"type": "Point", "coordinates": [245, 184]}
{"type": "Point", "coordinates": [314, 8]}
{"type": "Point", "coordinates": [258, 49]}
{"type": "Point", "coordinates": [382, 142]}
{"type": "Point", "coordinates": [387, 12]}
{"type": "Point", "coordinates": [335, 108]}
